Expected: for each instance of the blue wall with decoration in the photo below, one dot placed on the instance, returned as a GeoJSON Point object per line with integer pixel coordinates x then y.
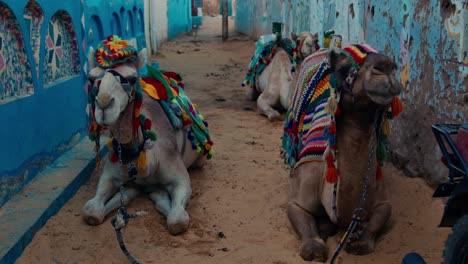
{"type": "Point", "coordinates": [427, 39]}
{"type": "Point", "coordinates": [179, 17]}
{"type": "Point", "coordinates": [42, 82]}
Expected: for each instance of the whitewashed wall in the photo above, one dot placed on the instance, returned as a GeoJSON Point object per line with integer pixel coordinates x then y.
{"type": "Point", "coordinates": [156, 24]}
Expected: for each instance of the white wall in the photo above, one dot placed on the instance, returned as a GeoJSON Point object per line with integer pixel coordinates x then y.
{"type": "Point", "coordinates": [156, 24]}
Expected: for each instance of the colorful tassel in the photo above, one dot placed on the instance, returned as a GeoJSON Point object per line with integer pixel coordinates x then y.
{"type": "Point", "coordinates": [397, 106]}
{"type": "Point", "coordinates": [386, 127]}
{"type": "Point", "coordinates": [147, 124]}
{"type": "Point", "coordinates": [379, 175]}
{"type": "Point", "coordinates": [142, 162]}
{"type": "Point", "coordinates": [332, 104]}
{"type": "Point", "coordinates": [136, 124]}
{"type": "Point", "coordinates": [332, 172]}
{"type": "Point", "coordinates": [109, 144]}
{"type": "Point", "coordinates": [114, 157]}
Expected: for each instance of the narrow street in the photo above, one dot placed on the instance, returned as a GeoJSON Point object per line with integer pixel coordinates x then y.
{"type": "Point", "coordinates": [238, 205]}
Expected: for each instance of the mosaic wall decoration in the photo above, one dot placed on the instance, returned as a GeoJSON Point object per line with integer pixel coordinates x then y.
{"type": "Point", "coordinates": [15, 71]}
{"type": "Point", "coordinates": [62, 59]}
{"type": "Point", "coordinates": [34, 16]}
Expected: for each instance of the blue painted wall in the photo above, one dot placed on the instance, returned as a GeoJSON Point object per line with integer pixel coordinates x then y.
{"type": "Point", "coordinates": [46, 115]}
{"type": "Point", "coordinates": [179, 16]}
{"type": "Point", "coordinates": [427, 39]}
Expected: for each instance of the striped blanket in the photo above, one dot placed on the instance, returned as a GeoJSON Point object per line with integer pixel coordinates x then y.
{"type": "Point", "coordinates": [305, 138]}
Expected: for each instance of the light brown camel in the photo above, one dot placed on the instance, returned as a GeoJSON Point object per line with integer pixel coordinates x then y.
{"type": "Point", "coordinates": [275, 83]}
{"type": "Point", "coordinates": [335, 123]}
{"type": "Point", "coordinates": [161, 166]}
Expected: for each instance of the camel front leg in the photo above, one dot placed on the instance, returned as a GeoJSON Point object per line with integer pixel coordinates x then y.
{"type": "Point", "coordinates": [94, 210]}
{"type": "Point", "coordinates": [366, 242]}
{"type": "Point", "coordinates": [251, 94]}
{"type": "Point", "coordinates": [161, 200]}
{"type": "Point", "coordinates": [179, 191]}
{"type": "Point", "coordinates": [128, 195]}
{"type": "Point", "coordinates": [312, 246]}
{"type": "Point", "coordinates": [265, 103]}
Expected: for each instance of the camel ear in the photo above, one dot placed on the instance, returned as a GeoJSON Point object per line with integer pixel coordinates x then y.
{"type": "Point", "coordinates": [339, 64]}
{"type": "Point", "coordinates": [142, 58]}
{"type": "Point", "coordinates": [293, 36]}
{"type": "Point", "coordinates": [91, 60]}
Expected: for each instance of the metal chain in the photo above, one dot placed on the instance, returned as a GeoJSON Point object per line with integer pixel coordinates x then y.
{"type": "Point", "coordinates": [122, 217]}
{"type": "Point", "coordinates": [359, 213]}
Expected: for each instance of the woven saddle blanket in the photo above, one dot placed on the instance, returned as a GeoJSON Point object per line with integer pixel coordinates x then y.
{"type": "Point", "coordinates": [265, 50]}
{"type": "Point", "coordinates": [306, 136]}
{"type": "Point", "coordinates": [167, 89]}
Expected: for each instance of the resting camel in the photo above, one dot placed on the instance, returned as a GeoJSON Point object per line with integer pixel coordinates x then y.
{"type": "Point", "coordinates": [334, 143]}
{"type": "Point", "coordinates": [274, 85]}
{"type": "Point", "coordinates": [159, 166]}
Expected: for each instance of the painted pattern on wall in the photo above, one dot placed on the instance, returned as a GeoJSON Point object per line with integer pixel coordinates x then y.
{"type": "Point", "coordinates": [15, 73]}
{"type": "Point", "coordinates": [34, 17]}
{"type": "Point", "coordinates": [61, 49]}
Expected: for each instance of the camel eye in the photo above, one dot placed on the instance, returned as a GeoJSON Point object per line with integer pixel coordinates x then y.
{"type": "Point", "coordinates": [91, 79]}
{"type": "Point", "coordinates": [132, 80]}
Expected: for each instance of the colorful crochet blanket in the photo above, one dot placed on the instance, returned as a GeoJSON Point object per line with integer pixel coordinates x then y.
{"type": "Point", "coordinates": [310, 128]}
{"type": "Point", "coordinates": [265, 49]}
{"type": "Point", "coordinates": [182, 113]}
{"type": "Point", "coordinates": [306, 121]}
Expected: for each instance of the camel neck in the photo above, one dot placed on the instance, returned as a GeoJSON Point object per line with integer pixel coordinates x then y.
{"type": "Point", "coordinates": [123, 129]}
{"type": "Point", "coordinates": [354, 136]}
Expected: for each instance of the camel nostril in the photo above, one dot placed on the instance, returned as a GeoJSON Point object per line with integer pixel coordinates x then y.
{"type": "Point", "coordinates": [104, 100]}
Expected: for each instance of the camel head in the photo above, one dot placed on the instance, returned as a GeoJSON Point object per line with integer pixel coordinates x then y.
{"type": "Point", "coordinates": [306, 43]}
{"type": "Point", "coordinates": [113, 75]}
{"type": "Point", "coordinates": [365, 79]}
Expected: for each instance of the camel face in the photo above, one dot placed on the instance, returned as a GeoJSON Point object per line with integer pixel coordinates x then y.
{"type": "Point", "coordinates": [113, 91]}
{"type": "Point", "coordinates": [310, 43]}
{"type": "Point", "coordinates": [374, 86]}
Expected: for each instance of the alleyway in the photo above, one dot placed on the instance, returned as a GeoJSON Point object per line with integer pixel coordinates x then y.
{"type": "Point", "coordinates": [238, 207]}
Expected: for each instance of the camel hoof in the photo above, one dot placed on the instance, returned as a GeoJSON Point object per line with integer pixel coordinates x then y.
{"type": "Point", "coordinates": [92, 220]}
{"type": "Point", "coordinates": [178, 228]}
{"type": "Point", "coordinates": [178, 225]}
{"type": "Point", "coordinates": [361, 247]}
{"type": "Point", "coordinates": [314, 250]}
{"type": "Point", "coordinates": [92, 214]}
{"type": "Point", "coordinates": [274, 117]}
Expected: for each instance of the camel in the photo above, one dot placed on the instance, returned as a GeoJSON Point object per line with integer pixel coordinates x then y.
{"type": "Point", "coordinates": [334, 143]}
{"type": "Point", "coordinates": [274, 85]}
{"type": "Point", "coordinates": [159, 167]}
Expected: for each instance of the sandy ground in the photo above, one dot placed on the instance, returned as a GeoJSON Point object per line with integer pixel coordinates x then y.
{"type": "Point", "coordinates": [238, 207]}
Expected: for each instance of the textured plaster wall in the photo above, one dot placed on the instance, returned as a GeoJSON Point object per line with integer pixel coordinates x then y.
{"type": "Point", "coordinates": [43, 46]}
{"type": "Point", "coordinates": [427, 39]}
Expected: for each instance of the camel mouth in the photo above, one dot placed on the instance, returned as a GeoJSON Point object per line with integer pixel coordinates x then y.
{"type": "Point", "coordinates": [105, 117]}
{"type": "Point", "coordinates": [380, 98]}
